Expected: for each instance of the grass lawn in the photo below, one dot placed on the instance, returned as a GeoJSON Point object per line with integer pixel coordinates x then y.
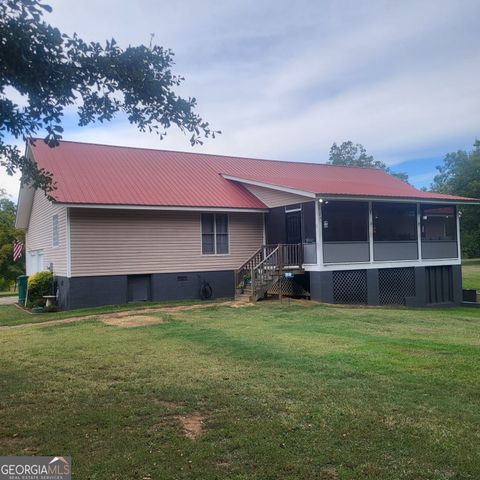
{"type": "Point", "coordinates": [285, 391]}
{"type": "Point", "coordinates": [12, 315]}
{"type": "Point", "coordinates": [471, 274]}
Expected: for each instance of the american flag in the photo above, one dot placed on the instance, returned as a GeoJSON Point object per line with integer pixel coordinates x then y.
{"type": "Point", "coordinates": [17, 250]}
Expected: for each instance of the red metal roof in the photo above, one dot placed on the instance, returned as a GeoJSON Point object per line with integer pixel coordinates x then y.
{"type": "Point", "coordinates": [100, 174]}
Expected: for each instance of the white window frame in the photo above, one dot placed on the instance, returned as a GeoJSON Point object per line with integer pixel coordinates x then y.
{"type": "Point", "coordinates": [214, 235]}
{"type": "Point", "coordinates": [55, 231]}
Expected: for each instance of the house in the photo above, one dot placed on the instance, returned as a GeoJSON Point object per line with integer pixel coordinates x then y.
{"type": "Point", "coordinates": [130, 224]}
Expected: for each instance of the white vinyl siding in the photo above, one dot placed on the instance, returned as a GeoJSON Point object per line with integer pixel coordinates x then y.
{"type": "Point", "coordinates": [275, 198]}
{"type": "Point", "coordinates": [55, 231]}
{"type": "Point", "coordinates": [116, 242]}
{"type": "Point", "coordinates": [40, 235]}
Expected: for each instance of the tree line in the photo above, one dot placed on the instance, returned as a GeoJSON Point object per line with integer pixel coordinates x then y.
{"type": "Point", "coordinates": [9, 270]}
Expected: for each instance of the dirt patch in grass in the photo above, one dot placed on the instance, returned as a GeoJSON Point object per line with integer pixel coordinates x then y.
{"type": "Point", "coordinates": [136, 311]}
{"type": "Point", "coordinates": [166, 403]}
{"type": "Point", "coordinates": [192, 425]}
{"type": "Point", "coordinates": [242, 304]}
{"type": "Point", "coordinates": [328, 472]}
{"type": "Point", "coordinates": [15, 444]}
{"type": "Point", "coordinates": [132, 320]}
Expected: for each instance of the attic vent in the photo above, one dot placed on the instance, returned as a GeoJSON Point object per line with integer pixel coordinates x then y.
{"type": "Point", "coordinates": [350, 287]}
{"type": "Point", "coordinates": [395, 284]}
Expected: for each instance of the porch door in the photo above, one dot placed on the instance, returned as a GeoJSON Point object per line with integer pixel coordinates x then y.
{"type": "Point", "coordinates": [294, 226]}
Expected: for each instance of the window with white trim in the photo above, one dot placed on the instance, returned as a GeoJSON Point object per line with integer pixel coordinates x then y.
{"type": "Point", "coordinates": [55, 233]}
{"type": "Point", "coordinates": [215, 234]}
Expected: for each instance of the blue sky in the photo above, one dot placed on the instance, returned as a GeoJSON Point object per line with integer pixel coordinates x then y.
{"type": "Point", "coordinates": [284, 80]}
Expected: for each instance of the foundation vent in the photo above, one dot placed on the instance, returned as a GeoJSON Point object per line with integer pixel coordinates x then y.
{"type": "Point", "coordinates": [350, 287]}
{"type": "Point", "coordinates": [439, 284]}
{"type": "Point", "coordinates": [394, 284]}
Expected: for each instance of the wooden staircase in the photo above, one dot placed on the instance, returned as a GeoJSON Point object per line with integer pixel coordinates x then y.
{"type": "Point", "coordinates": [265, 268]}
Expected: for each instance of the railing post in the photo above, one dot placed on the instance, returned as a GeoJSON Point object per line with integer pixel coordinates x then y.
{"type": "Point", "coordinates": [252, 281]}
{"type": "Point", "coordinates": [280, 270]}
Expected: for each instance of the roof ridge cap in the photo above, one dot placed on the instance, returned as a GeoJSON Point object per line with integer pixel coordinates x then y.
{"type": "Point", "coordinates": [213, 154]}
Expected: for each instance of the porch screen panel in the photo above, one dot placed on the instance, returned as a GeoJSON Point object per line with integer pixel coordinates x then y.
{"type": "Point", "coordinates": [345, 221]}
{"type": "Point", "coordinates": [394, 222]}
{"type": "Point", "coordinates": [438, 223]}
{"type": "Point", "coordinates": [308, 222]}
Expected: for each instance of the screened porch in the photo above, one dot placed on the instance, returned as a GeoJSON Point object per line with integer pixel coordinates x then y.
{"type": "Point", "coordinates": [366, 231]}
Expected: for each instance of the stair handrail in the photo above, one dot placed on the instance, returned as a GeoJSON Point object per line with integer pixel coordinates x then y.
{"type": "Point", "coordinates": [250, 263]}
{"type": "Point", "coordinates": [267, 257]}
{"type": "Point", "coordinates": [285, 255]}
{"type": "Point", "coordinates": [256, 271]}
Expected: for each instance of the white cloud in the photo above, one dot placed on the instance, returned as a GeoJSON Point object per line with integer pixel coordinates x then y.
{"type": "Point", "coordinates": [287, 79]}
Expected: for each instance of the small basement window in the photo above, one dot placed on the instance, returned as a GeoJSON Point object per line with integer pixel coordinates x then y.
{"type": "Point", "coordinates": [215, 239]}
{"type": "Point", "coordinates": [55, 233]}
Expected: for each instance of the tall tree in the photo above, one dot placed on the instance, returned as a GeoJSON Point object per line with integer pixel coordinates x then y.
{"type": "Point", "coordinates": [460, 175]}
{"type": "Point", "coordinates": [50, 71]}
{"type": "Point", "coordinates": [9, 270]}
{"type": "Point", "coordinates": [355, 155]}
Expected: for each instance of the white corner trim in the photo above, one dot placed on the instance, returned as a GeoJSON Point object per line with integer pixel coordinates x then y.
{"type": "Point", "coordinates": [370, 232]}
{"type": "Point", "coordinates": [272, 186]}
{"type": "Point", "coordinates": [419, 233]}
{"type": "Point", "coordinates": [319, 232]}
{"type": "Point", "coordinates": [69, 246]}
{"type": "Point", "coordinates": [459, 247]}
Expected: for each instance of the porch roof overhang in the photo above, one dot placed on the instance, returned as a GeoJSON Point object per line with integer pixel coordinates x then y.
{"type": "Point", "coordinates": [406, 194]}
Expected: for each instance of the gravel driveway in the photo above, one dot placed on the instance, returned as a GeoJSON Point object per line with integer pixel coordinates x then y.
{"type": "Point", "coordinates": [8, 300]}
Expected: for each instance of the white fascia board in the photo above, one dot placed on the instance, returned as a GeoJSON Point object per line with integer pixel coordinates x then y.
{"type": "Point", "coordinates": [386, 264]}
{"type": "Point", "coordinates": [26, 195]}
{"type": "Point", "coordinates": [160, 207]}
{"type": "Point", "coordinates": [24, 206]}
{"type": "Point", "coordinates": [272, 186]}
{"type": "Point", "coordinates": [396, 199]}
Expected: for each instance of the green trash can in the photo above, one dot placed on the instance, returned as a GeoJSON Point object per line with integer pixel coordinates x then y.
{"type": "Point", "coordinates": [22, 281]}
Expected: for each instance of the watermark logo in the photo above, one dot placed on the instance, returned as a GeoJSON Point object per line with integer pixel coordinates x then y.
{"type": "Point", "coordinates": [35, 468]}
